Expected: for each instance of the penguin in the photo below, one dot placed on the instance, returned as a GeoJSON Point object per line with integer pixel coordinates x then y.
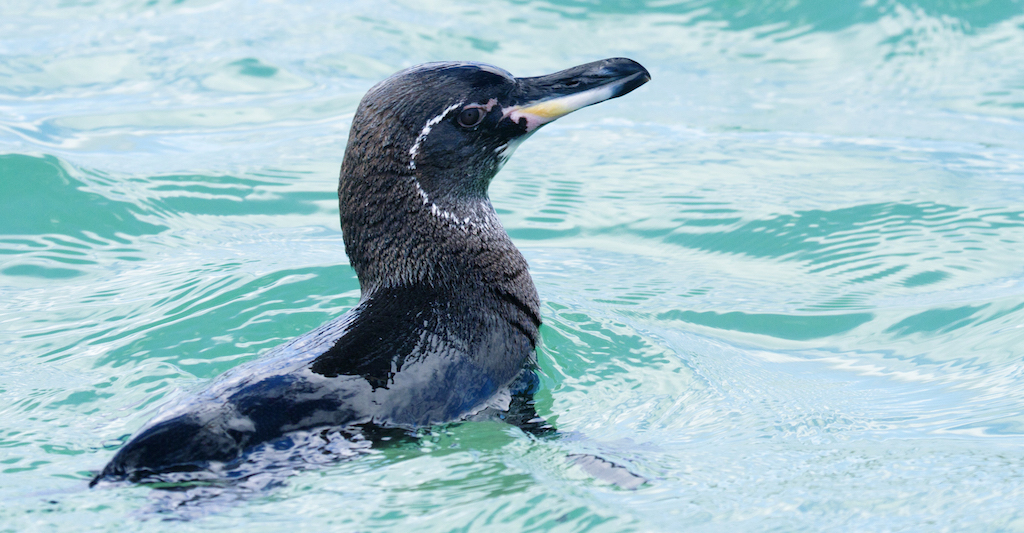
{"type": "Point", "coordinates": [447, 323]}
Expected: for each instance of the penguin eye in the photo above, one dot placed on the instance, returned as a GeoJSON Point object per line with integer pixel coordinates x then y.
{"type": "Point", "coordinates": [471, 116]}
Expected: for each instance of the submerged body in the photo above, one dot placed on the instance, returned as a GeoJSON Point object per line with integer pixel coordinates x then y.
{"type": "Point", "coordinates": [448, 320]}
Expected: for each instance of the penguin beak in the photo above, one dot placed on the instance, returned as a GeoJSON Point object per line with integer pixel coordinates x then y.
{"type": "Point", "coordinates": [547, 98]}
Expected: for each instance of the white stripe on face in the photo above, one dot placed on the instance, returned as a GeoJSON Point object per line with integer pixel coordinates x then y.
{"type": "Point", "coordinates": [415, 150]}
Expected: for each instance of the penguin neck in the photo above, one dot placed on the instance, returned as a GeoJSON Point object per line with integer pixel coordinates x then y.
{"type": "Point", "coordinates": [470, 215]}
{"type": "Point", "coordinates": [398, 234]}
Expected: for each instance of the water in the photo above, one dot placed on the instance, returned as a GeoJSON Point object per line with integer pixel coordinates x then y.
{"type": "Point", "coordinates": [783, 280]}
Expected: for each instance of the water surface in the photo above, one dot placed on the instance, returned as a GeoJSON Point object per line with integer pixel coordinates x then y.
{"type": "Point", "coordinates": [782, 281]}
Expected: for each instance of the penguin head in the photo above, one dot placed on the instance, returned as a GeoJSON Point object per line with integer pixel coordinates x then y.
{"type": "Point", "coordinates": [452, 125]}
{"type": "Point", "coordinates": [422, 150]}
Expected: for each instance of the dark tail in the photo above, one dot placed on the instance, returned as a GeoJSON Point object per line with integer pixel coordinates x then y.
{"type": "Point", "coordinates": [177, 445]}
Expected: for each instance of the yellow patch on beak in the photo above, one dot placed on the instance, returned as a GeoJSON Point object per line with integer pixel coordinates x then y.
{"type": "Point", "coordinates": [550, 109]}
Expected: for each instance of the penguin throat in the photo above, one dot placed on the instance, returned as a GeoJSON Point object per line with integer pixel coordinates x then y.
{"type": "Point", "coordinates": [504, 152]}
{"type": "Point", "coordinates": [464, 222]}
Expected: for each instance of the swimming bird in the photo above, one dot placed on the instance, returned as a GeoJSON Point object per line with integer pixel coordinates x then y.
{"type": "Point", "coordinates": [447, 323]}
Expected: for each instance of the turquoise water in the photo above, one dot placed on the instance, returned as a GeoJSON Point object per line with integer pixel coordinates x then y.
{"type": "Point", "coordinates": [783, 281]}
